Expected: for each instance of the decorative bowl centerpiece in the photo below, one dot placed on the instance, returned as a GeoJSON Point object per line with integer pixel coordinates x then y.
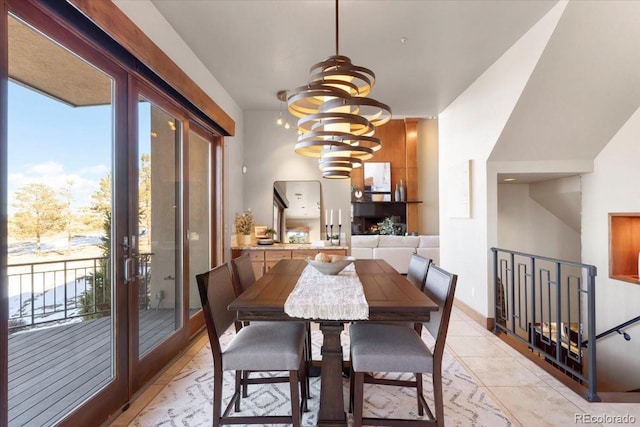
{"type": "Point", "coordinates": [330, 265]}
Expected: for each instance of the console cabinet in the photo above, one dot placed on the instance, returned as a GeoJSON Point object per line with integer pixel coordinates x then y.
{"type": "Point", "coordinates": [263, 259]}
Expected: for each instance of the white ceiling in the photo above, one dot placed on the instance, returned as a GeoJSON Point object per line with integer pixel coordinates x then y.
{"type": "Point", "coordinates": [255, 48]}
{"type": "Point", "coordinates": [304, 199]}
{"type": "Point", "coordinates": [584, 87]}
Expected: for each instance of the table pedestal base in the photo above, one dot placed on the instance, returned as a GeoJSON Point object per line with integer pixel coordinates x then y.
{"type": "Point", "coordinates": [331, 411]}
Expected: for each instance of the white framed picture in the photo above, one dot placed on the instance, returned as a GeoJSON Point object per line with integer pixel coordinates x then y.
{"type": "Point", "coordinates": [377, 177]}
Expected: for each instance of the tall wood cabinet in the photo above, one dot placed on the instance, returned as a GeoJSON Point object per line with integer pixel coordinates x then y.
{"type": "Point", "coordinates": [400, 149]}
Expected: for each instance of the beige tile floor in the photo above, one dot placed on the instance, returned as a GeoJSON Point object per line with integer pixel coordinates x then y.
{"type": "Point", "coordinates": [527, 394]}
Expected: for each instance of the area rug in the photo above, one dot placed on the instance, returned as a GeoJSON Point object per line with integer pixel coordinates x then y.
{"type": "Point", "coordinates": [187, 399]}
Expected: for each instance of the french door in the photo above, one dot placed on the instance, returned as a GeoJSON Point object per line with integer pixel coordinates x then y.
{"type": "Point", "coordinates": [67, 302]}
{"type": "Point", "coordinates": [111, 190]}
{"type": "Point", "coordinates": [155, 247]}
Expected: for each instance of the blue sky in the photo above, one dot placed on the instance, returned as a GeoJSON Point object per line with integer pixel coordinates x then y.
{"type": "Point", "coordinates": [53, 143]}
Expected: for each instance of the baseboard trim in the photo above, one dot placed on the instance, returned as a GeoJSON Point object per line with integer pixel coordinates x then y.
{"type": "Point", "coordinates": [485, 322]}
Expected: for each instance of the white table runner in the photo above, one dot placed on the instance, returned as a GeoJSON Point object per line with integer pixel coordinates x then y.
{"type": "Point", "coordinates": [338, 297]}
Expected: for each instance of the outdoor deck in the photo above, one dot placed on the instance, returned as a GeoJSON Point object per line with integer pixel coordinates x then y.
{"type": "Point", "coordinates": [52, 370]}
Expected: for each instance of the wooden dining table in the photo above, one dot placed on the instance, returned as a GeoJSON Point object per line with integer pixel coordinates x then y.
{"type": "Point", "coordinates": [389, 295]}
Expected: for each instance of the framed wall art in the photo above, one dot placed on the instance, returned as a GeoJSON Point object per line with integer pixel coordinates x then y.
{"type": "Point", "coordinates": [377, 177]}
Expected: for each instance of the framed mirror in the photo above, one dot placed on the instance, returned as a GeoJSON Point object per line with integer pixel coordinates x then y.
{"type": "Point", "coordinates": [296, 211]}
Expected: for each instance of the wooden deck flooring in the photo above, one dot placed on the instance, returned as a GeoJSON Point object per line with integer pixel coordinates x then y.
{"type": "Point", "coordinates": [53, 370]}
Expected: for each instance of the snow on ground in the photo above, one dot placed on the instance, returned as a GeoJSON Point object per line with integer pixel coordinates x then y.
{"type": "Point", "coordinates": [52, 277]}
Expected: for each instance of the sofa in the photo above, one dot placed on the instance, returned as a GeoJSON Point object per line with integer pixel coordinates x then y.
{"type": "Point", "coordinates": [396, 250]}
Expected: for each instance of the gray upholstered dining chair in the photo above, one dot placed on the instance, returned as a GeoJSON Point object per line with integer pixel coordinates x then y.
{"type": "Point", "coordinates": [416, 274]}
{"type": "Point", "coordinates": [386, 347]}
{"type": "Point", "coordinates": [417, 271]}
{"type": "Point", "coordinates": [243, 278]}
{"type": "Point", "coordinates": [243, 273]}
{"type": "Point", "coordinates": [257, 347]}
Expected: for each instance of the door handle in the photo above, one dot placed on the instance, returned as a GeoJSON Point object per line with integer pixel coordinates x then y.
{"type": "Point", "coordinates": [127, 270]}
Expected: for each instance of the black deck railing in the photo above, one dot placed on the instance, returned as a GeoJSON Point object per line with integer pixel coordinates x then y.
{"type": "Point", "coordinates": [48, 292]}
{"type": "Point", "coordinates": [549, 305]}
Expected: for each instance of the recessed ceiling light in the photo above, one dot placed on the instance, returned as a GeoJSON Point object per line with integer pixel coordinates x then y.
{"type": "Point", "coordinates": [509, 179]}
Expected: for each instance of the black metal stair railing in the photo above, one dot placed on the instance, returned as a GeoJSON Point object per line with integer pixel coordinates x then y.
{"type": "Point", "coordinates": [618, 329]}
{"type": "Point", "coordinates": [549, 305]}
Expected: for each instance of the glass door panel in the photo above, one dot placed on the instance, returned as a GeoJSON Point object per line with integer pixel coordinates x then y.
{"type": "Point", "coordinates": [61, 269]}
{"type": "Point", "coordinates": [199, 234]}
{"type": "Point", "coordinates": [158, 270]}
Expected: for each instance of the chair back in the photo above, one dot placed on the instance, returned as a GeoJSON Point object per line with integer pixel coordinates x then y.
{"type": "Point", "coordinates": [417, 272]}
{"type": "Point", "coordinates": [243, 275]}
{"type": "Point", "coordinates": [216, 293]}
{"type": "Point", "coordinates": [440, 287]}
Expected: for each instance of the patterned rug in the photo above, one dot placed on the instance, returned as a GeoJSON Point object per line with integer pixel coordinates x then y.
{"type": "Point", "coordinates": [187, 399]}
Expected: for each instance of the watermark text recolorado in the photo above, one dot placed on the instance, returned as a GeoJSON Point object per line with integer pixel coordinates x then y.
{"type": "Point", "coordinates": [604, 419]}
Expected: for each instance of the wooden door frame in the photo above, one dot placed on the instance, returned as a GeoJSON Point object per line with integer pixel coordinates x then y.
{"type": "Point", "coordinates": [145, 368]}
{"type": "Point", "coordinates": [4, 285]}
{"type": "Point", "coordinates": [196, 322]}
{"type": "Point", "coordinates": [113, 395]}
{"type": "Point", "coordinates": [69, 28]}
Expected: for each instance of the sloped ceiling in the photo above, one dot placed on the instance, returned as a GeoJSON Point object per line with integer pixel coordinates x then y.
{"type": "Point", "coordinates": [584, 88]}
{"type": "Point", "coordinates": [562, 197]}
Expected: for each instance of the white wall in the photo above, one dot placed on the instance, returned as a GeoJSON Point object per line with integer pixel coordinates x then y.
{"type": "Point", "coordinates": [612, 187]}
{"type": "Point", "coordinates": [269, 156]}
{"type": "Point", "coordinates": [469, 129]}
{"type": "Point", "coordinates": [518, 214]}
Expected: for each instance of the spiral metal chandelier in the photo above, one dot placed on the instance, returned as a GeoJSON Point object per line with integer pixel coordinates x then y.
{"type": "Point", "coordinates": [336, 120]}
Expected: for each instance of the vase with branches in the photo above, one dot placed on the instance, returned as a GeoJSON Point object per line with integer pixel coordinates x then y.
{"type": "Point", "coordinates": [244, 225]}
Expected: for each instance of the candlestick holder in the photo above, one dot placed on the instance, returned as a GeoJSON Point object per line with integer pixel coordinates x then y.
{"type": "Point", "coordinates": [329, 232]}
{"type": "Point", "coordinates": [335, 238]}
{"type": "Point", "coordinates": [326, 232]}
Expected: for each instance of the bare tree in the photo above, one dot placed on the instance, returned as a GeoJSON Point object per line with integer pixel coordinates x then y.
{"type": "Point", "coordinates": [70, 219]}
{"type": "Point", "coordinates": [39, 211]}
